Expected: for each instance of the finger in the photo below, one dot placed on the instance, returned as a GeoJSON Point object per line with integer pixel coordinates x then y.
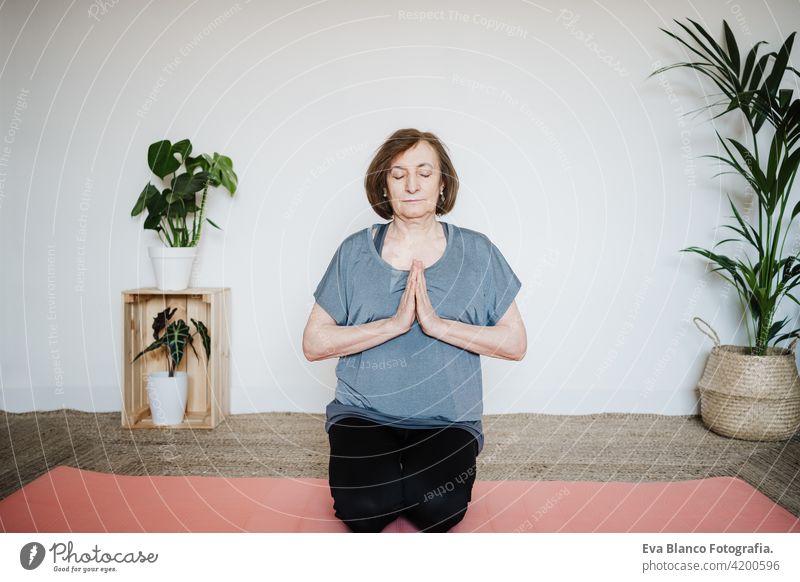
{"type": "Point", "coordinates": [410, 282]}
{"type": "Point", "coordinates": [423, 293]}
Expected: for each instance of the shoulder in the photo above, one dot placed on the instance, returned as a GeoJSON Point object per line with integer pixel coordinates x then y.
{"type": "Point", "coordinates": [354, 237]}
{"type": "Point", "coordinates": [473, 240]}
{"type": "Point", "coordinates": [352, 240]}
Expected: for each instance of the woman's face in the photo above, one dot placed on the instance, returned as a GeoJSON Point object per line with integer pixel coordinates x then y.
{"type": "Point", "coordinates": [414, 182]}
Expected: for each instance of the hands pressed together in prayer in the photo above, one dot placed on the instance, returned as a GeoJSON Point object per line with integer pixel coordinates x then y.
{"type": "Point", "coordinates": [415, 304]}
{"type": "Point", "coordinates": [323, 338]}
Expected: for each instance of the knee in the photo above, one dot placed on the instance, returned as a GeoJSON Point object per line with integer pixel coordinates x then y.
{"type": "Point", "coordinates": [364, 513]}
{"type": "Point", "coordinates": [439, 514]}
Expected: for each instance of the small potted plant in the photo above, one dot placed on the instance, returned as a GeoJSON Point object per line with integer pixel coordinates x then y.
{"type": "Point", "coordinates": [168, 391]}
{"type": "Point", "coordinates": [175, 212]}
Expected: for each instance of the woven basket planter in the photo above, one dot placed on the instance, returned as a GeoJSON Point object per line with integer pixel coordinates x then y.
{"type": "Point", "coordinates": [754, 398]}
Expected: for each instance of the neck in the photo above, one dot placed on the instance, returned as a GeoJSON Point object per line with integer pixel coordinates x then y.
{"type": "Point", "coordinates": [411, 229]}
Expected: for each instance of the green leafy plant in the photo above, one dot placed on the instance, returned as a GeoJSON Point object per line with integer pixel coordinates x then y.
{"type": "Point", "coordinates": [176, 336]}
{"type": "Point", "coordinates": [750, 85]}
{"type": "Point", "coordinates": [169, 210]}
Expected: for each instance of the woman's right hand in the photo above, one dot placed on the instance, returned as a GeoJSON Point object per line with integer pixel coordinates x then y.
{"type": "Point", "coordinates": [406, 313]}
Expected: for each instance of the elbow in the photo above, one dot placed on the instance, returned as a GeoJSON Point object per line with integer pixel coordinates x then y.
{"type": "Point", "coordinates": [310, 349]}
{"type": "Point", "coordinates": [312, 352]}
{"type": "Point", "coordinates": [519, 352]}
{"type": "Point", "coordinates": [316, 345]}
{"type": "Point", "coordinates": [513, 348]}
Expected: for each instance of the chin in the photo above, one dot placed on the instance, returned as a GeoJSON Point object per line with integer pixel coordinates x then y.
{"type": "Point", "coordinates": [416, 213]}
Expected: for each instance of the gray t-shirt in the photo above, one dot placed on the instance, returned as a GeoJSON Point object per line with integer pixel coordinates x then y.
{"type": "Point", "coordinates": [415, 380]}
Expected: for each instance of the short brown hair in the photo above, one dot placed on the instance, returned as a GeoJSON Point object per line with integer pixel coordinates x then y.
{"type": "Point", "coordinates": [400, 141]}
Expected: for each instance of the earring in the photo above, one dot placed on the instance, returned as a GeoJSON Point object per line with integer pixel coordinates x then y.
{"type": "Point", "coordinates": [384, 192]}
{"type": "Point", "coordinates": [441, 193]}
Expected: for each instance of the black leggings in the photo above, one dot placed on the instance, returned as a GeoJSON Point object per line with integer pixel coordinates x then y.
{"type": "Point", "coordinates": [378, 472]}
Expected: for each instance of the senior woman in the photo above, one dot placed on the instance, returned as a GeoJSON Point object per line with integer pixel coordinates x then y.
{"type": "Point", "coordinates": [408, 307]}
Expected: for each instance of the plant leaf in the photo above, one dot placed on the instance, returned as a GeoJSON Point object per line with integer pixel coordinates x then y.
{"type": "Point", "coordinates": [756, 240]}
{"type": "Point", "coordinates": [186, 185]}
{"type": "Point", "coordinates": [161, 319]}
{"type": "Point", "coordinates": [788, 336]}
{"type": "Point", "coordinates": [190, 340]}
{"type": "Point", "coordinates": [733, 49]}
{"type": "Point", "coordinates": [222, 170]}
{"type": "Point", "coordinates": [160, 158]}
{"type": "Point", "coordinates": [198, 162]}
{"type": "Point", "coordinates": [707, 53]}
{"type": "Point", "coordinates": [793, 298]}
{"type": "Point", "coordinates": [175, 337]}
{"type": "Point", "coordinates": [148, 192]}
{"type": "Point", "coordinates": [749, 62]}
{"type": "Point", "coordinates": [725, 61]}
{"type": "Point", "coordinates": [156, 210]}
{"type": "Point", "coordinates": [203, 331]}
{"type": "Point", "coordinates": [776, 327]}
{"type": "Point", "coordinates": [156, 344]}
{"type": "Point", "coordinates": [182, 148]}
{"type": "Point", "coordinates": [725, 263]}
{"type": "Point", "coordinates": [779, 65]}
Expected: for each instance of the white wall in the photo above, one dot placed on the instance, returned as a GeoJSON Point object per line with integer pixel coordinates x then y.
{"type": "Point", "coordinates": [570, 159]}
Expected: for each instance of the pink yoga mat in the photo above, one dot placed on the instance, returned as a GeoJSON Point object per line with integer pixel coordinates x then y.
{"type": "Point", "coordinates": [72, 500]}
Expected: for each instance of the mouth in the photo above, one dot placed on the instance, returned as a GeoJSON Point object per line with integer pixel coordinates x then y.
{"type": "Point", "coordinates": [413, 200]}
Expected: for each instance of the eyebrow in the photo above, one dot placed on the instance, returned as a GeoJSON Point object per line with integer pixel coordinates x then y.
{"type": "Point", "coordinates": [418, 165]}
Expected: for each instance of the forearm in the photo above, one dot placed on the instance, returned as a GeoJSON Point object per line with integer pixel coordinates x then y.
{"type": "Point", "coordinates": [498, 341]}
{"type": "Point", "coordinates": [333, 340]}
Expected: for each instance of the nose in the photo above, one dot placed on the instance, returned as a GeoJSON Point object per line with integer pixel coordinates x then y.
{"type": "Point", "coordinates": [411, 184]}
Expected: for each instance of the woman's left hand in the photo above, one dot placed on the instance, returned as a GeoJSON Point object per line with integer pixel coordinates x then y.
{"type": "Point", "coordinates": [429, 322]}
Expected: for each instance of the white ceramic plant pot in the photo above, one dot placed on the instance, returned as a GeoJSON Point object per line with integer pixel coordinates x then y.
{"type": "Point", "coordinates": [172, 266]}
{"type": "Point", "coordinates": [167, 397]}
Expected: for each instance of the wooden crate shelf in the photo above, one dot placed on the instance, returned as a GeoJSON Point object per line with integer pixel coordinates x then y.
{"type": "Point", "coordinates": [209, 388]}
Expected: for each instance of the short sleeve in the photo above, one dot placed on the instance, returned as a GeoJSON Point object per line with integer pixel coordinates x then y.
{"type": "Point", "coordinates": [502, 285]}
{"type": "Point", "coordinates": [331, 292]}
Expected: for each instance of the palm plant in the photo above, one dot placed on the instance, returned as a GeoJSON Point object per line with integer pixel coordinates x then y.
{"type": "Point", "coordinates": [176, 336]}
{"type": "Point", "coordinates": [751, 86]}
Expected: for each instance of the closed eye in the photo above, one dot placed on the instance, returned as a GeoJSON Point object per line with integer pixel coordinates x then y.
{"type": "Point", "coordinates": [401, 177]}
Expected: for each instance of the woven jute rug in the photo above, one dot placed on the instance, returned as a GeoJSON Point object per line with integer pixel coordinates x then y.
{"type": "Point", "coordinates": [594, 447]}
